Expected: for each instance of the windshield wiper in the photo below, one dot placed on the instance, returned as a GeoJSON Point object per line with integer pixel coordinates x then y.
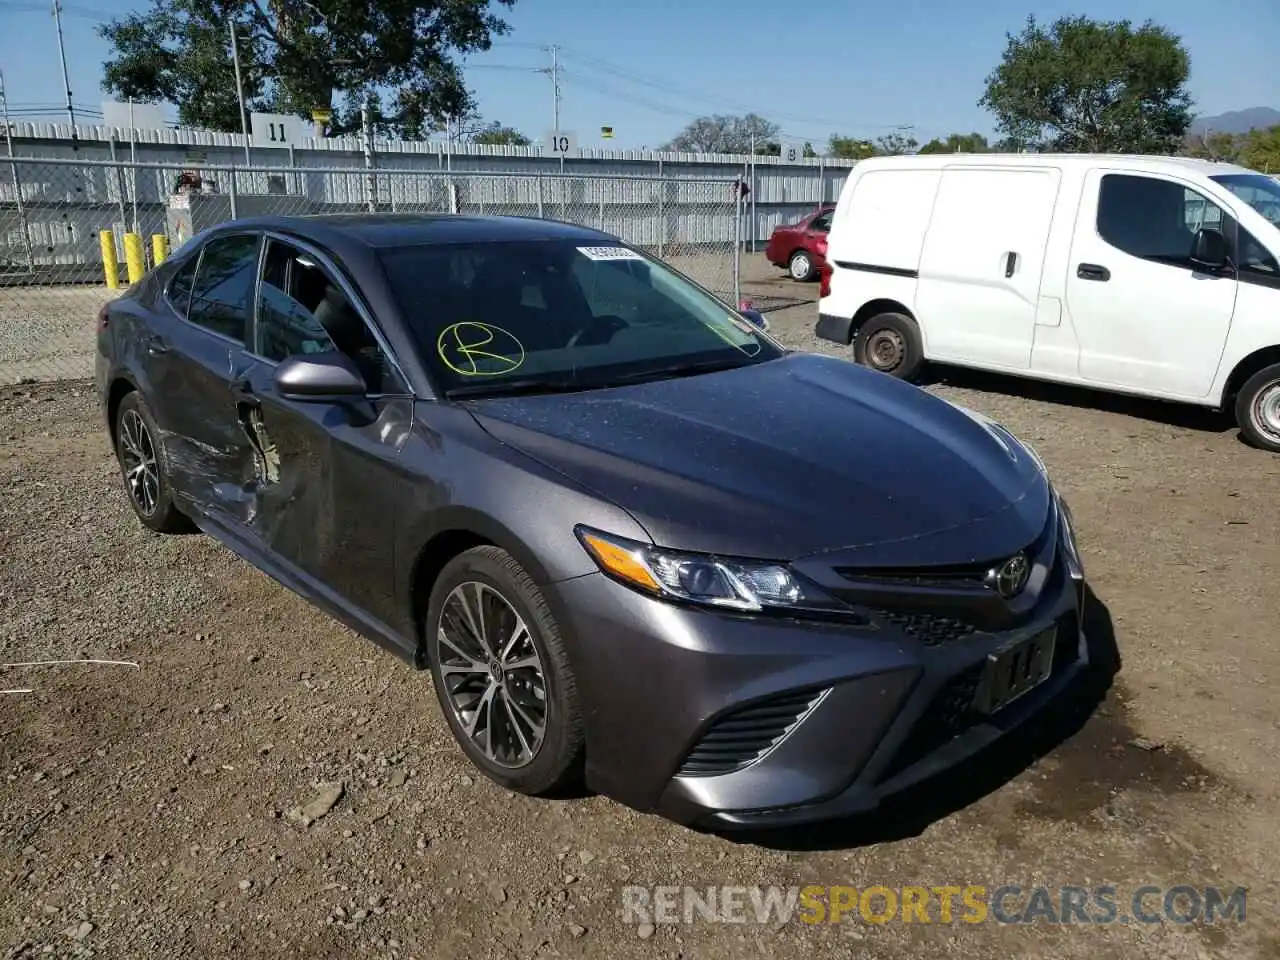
{"type": "Point", "coordinates": [674, 370]}
{"type": "Point", "coordinates": [516, 386]}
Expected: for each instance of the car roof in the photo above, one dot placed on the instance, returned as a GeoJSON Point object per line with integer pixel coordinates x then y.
{"type": "Point", "coordinates": [1154, 164]}
{"type": "Point", "coordinates": [414, 229]}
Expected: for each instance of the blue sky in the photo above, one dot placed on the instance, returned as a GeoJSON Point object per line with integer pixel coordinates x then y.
{"type": "Point", "coordinates": [647, 67]}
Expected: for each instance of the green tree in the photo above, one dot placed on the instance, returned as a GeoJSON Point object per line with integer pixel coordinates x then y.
{"type": "Point", "coordinates": [496, 134]}
{"type": "Point", "coordinates": [1090, 86]}
{"type": "Point", "coordinates": [808, 150]}
{"type": "Point", "coordinates": [295, 53]}
{"type": "Point", "coordinates": [723, 133]}
{"type": "Point", "coordinates": [958, 143]}
{"type": "Point", "coordinates": [850, 148]}
{"type": "Point", "coordinates": [895, 144]}
{"type": "Point", "coordinates": [1260, 150]}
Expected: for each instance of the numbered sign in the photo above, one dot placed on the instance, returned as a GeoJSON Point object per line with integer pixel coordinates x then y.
{"type": "Point", "coordinates": [562, 143]}
{"type": "Point", "coordinates": [275, 130]}
{"type": "Point", "coordinates": [791, 153]}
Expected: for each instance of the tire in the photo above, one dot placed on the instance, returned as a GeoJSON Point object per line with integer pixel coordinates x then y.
{"type": "Point", "coordinates": [1258, 409]}
{"type": "Point", "coordinates": [890, 343]}
{"type": "Point", "coordinates": [800, 266]}
{"type": "Point", "coordinates": [149, 489]}
{"type": "Point", "coordinates": [554, 761]}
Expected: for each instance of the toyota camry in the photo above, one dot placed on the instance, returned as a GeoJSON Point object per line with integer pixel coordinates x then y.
{"type": "Point", "coordinates": [635, 541]}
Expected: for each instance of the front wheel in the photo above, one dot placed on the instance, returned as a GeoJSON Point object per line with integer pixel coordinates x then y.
{"type": "Point", "coordinates": [1258, 409]}
{"type": "Point", "coordinates": [890, 343]}
{"type": "Point", "coordinates": [502, 674]}
{"type": "Point", "coordinates": [800, 266]}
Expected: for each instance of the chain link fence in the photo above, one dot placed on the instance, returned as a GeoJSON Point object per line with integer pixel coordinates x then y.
{"type": "Point", "coordinates": [73, 234]}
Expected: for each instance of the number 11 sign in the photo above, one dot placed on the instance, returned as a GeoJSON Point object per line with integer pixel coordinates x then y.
{"type": "Point", "coordinates": [275, 130]}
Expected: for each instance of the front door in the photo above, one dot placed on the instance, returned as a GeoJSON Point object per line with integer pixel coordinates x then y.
{"type": "Point", "coordinates": [328, 484]}
{"type": "Point", "coordinates": [980, 270]}
{"type": "Point", "coordinates": [1145, 318]}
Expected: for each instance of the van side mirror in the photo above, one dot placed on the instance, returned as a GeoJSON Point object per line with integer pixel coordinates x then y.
{"type": "Point", "coordinates": [1210, 249]}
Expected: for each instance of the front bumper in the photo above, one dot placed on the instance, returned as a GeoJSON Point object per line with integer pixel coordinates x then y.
{"type": "Point", "coordinates": [830, 719]}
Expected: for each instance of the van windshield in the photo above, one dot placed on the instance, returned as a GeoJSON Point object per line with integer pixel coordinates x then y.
{"type": "Point", "coordinates": [1258, 191]}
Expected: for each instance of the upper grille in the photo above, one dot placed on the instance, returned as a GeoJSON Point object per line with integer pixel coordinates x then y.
{"type": "Point", "coordinates": [930, 629]}
{"type": "Point", "coordinates": [741, 737]}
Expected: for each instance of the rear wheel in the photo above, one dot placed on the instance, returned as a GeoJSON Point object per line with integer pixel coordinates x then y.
{"type": "Point", "coordinates": [144, 467]}
{"type": "Point", "coordinates": [1258, 409]}
{"type": "Point", "coordinates": [890, 343]}
{"type": "Point", "coordinates": [502, 674]}
{"type": "Point", "coordinates": [800, 266]}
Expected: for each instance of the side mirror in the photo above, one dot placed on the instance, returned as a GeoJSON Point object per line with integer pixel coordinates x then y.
{"type": "Point", "coordinates": [319, 377]}
{"type": "Point", "coordinates": [756, 317]}
{"type": "Point", "coordinates": [1210, 249]}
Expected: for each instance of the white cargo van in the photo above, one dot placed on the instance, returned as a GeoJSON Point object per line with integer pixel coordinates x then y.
{"type": "Point", "coordinates": [1156, 276]}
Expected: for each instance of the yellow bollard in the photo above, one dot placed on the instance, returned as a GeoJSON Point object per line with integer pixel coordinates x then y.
{"type": "Point", "coordinates": [110, 263]}
{"type": "Point", "coordinates": [133, 256]}
{"type": "Point", "coordinates": [159, 248]}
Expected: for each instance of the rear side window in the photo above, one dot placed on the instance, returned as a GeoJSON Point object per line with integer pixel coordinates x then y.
{"type": "Point", "coordinates": [223, 292]}
{"type": "Point", "coordinates": [1154, 219]}
{"type": "Point", "coordinates": [179, 292]}
{"type": "Point", "coordinates": [822, 222]}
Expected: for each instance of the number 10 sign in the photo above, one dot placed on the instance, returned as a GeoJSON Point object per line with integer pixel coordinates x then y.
{"type": "Point", "coordinates": [275, 130]}
{"type": "Point", "coordinates": [562, 143]}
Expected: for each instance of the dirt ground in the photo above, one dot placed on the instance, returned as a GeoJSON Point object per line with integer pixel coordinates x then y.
{"type": "Point", "coordinates": [145, 811]}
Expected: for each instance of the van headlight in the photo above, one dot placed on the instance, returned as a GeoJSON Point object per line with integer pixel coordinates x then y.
{"type": "Point", "coordinates": [732, 583]}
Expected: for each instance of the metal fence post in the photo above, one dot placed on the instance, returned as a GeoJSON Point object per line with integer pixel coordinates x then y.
{"type": "Point", "coordinates": [119, 176]}
{"type": "Point", "coordinates": [737, 248]}
{"type": "Point", "coordinates": [541, 214]}
{"type": "Point", "coordinates": [600, 186]}
{"type": "Point", "coordinates": [231, 193]}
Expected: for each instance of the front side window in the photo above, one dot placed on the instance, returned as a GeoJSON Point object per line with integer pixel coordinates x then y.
{"type": "Point", "coordinates": [1256, 260]}
{"type": "Point", "coordinates": [223, 292]}
{"type": "Point", "coordinates": [303, 310]}
{"type": "Point", "coordinates": [557, 314]}
{"type": "Point", "coordinates": [1154, 219]}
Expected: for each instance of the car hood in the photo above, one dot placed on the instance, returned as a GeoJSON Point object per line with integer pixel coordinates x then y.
{"type": "Point", "coordinates": [796, 456]}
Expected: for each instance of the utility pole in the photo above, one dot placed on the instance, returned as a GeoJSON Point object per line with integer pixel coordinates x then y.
{"type": "Point", "coordinates": [366, 123]}
{"type": "Point", "coordinates": [235, 58]}
{"type": "Point", "coordinates": [66, 80]}
{"type": "Point", "coordinates": [555, 87]}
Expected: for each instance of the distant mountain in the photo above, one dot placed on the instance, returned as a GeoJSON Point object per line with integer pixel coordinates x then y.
{"type": "Point", "coordinates": [1237, 121]}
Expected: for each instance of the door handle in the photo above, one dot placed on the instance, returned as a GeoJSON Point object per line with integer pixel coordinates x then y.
{"type": "Point", "coordinates": [1093, 271]}
{"type": "Point", "coordinates": [155, 345]}
{"type": "Point", "coordinates": [1010, 261]}
{"type": "Point", "coordinates": [242, 389]}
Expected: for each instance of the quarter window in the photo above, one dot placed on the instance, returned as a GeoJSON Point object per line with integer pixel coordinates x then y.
{"type": "Point", "coordinates": [180, 286]}
{"type": "Point", "coordinates": [222, 294]}
{"type": "Point", "coordinates": [1154, 219]}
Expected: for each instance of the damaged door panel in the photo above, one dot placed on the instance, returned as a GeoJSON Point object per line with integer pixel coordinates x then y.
{"type": "Point", "coordinates": [187, 360]}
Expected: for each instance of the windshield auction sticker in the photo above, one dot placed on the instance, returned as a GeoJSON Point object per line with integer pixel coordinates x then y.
{"type": "Point", "coordinates": [609, 253]}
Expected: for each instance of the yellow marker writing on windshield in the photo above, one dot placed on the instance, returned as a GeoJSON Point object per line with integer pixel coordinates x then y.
{"type": "Point", "coordinates": [470, 349]}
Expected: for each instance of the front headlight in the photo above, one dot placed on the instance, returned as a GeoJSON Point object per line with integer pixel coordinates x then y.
{"type": "Point", "coordinates": [748, 585]}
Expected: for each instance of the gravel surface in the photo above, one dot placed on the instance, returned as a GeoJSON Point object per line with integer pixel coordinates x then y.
{"type": "Point", "coordinates": [264, 783]}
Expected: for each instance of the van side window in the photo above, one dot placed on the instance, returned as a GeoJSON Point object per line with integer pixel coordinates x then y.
{"type": "Point", "coordinates": [1255, 261]}
{"type": "Point", "coordinates": [1154, 219]}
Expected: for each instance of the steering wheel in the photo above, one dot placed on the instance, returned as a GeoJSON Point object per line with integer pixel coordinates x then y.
{"type": "Point", "coordinates": [597, 331]}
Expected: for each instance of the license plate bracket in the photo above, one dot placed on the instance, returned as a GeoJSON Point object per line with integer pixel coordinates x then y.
{"type": "Point", "coordinates": [1015, 671]}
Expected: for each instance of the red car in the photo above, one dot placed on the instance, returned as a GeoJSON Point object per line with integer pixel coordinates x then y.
{"type": "Point", "coordinates": [801, 247]}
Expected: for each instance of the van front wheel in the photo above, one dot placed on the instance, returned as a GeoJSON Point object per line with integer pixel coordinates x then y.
{"type": "Point", "coordinates": [1258, 409]}
{"type": "Point", "coordinates": [890, 343]}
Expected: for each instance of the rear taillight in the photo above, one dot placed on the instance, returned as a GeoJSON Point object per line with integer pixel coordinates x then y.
{"type": "Point", "coordinates": [102, 319]}
{"type": "Point", "coordinates": [824, 287]}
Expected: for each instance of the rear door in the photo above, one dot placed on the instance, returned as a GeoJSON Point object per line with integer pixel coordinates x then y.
{"type": "Point", "coordinates": [981, 266]}
{"type": "Point", "coordinates": [187, 360]}
{"type": "Point", "coordinates": [328, 484]}
{"type": "Point", "coordinates": [1145, 317]}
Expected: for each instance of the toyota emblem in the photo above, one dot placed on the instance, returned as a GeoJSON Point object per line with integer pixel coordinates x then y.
{"type": "Point", "coordinates": [1010, 577]}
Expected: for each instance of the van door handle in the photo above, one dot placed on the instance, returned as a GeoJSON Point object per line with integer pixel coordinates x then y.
{"type": "Point", "coordinates": [1093, 271]}
{"type": "Point", "coordinates": [1010, 261]}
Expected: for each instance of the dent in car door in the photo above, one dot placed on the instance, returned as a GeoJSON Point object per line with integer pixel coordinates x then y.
{"type": "Point", "coordinates": [328, 482]}
{"type": "Point", "coordinates": [187, 361]}
{"type": "Point", "coordinates": [980, 270]}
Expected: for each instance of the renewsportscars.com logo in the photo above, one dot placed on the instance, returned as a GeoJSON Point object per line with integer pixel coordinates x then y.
{"type": "Point", "coordinates": [972, 903]}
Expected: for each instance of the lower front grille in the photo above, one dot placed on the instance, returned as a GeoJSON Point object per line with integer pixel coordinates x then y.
{"type": "Point", "coordinates": [741, 737]}
{"type": "Point", "coordinates": [927, 628]}
{"type": "Point", "coordinates": [948, 715]}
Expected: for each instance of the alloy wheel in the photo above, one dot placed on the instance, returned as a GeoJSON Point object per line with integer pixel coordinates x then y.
{"type": "Point", "coordinates": [492, 673]}
{"type": "Point", "coordinates": [1266, 411]}
{"type": "Point", "coordinates": [886, 349]}
{"type": "Point", "coordinates": [138, 461]}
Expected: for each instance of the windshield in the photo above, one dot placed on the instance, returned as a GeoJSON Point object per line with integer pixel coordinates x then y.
{"type": "Point", "coordinates": [534, 315]}
{"type": "Point", "coordinates": [1261, 193]}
